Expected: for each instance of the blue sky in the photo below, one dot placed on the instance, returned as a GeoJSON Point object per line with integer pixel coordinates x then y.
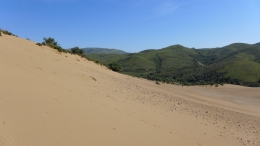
{"type": "Point", "coordinates": [134, 25]}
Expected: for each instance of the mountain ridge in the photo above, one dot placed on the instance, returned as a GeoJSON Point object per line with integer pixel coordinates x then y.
{"type": "Point", "coordinates": [237, 63]}
{"type": "Point", "coordinates": [96, 50]}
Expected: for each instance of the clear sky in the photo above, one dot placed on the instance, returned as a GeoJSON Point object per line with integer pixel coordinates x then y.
{"type": "Point", "coordinates": [134, 25]}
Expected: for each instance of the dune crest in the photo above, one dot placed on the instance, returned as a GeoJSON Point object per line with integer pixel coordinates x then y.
{"type": "Point", "coordinates": [51, 98]}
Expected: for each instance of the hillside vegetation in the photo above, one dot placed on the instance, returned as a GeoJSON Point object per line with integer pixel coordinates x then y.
{"type": "Point", "coordinates": [102, 51]}
{"type": "Point", "coordinates": [237, 63]}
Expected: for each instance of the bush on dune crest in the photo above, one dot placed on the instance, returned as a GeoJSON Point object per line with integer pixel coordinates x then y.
{"type": "Point", "coordinates": [77, 50]}
{"type": "Point", "coordinates": [6, 32]}
{"type": "Point", "coordinates": [115, 66]}
{"type": "Point", "coordinates": [52, 43]}
{"type": "Point", "coordinates": [39, 44]}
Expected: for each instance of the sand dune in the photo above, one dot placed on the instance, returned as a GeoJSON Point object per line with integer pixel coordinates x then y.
{"type": "Point", "coordinates": [57, 99]}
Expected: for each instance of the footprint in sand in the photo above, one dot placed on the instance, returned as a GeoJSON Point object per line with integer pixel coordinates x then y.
{"type": "Point", "coordinates": [92, 78]}
{"type": "Point", "coordinates": [144, 121]}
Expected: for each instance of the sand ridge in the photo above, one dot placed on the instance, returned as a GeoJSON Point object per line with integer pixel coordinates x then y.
{"type": "Point", "coordinates": [52, 98]}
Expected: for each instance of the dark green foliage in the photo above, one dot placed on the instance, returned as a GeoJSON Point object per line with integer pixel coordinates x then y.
{"type": "Point", "coordinates": [39, 44]}
{"type": "Point", "coordinates": [212, 78]}
{"type": "Point", "coordinates": [115, 66]}
{"type": "Point", "coordinates": [50, 41]}
{"type": "Point", "coordinates": [58, 48]}
{"type": "Point", "coordinates": [76, 50]}
{"type": "Point", "coordinates": [0, 33]}
{"type": "Point", "coordinates": [80, 52]}
{"type": "Point", "coordinates": [6, 32]}
{"type": "Point", "coordinates": [53, 44]}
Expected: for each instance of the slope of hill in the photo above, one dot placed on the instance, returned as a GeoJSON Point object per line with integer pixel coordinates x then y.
{"type": "Point", "coordinates": [258, 44]}
{"type": "Point", "coordinates": [102, 51]}
{"type": "Point", "coordinates": [236, 64]}
{"type": "Point", "coordinates": [50, 98]}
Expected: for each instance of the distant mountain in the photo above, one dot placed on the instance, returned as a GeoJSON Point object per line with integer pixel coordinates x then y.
{"type": "Point", "coordinates": [102, 51]}
{"type": "Point", "coordinates": [236, 63]}
{"type": "Point", "coordinates": [258, 44]}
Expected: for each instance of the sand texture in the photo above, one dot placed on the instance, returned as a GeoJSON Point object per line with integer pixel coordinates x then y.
{"type": "Point", "coordinates": [49, 98]}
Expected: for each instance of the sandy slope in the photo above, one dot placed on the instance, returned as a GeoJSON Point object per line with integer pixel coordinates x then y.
{"type": "Point", "coordinates": [52, 99]}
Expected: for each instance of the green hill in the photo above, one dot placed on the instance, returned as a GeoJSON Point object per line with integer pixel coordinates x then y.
{"type": "Point", "coordinates": [102, 51]}
{"type": "Point", "coordinates": [235, 64]}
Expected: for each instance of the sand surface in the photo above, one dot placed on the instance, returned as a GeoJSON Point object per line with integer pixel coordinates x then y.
{"type": "Point", "coordinates": [49, 98]}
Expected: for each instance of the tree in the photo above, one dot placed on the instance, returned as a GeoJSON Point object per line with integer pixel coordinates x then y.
{"type": "Point", "coordinates": [115, 66]}
{"type": "Point", "coordinates": [50, 41]}
{"type": "Point", "coordinates": [77, 50]}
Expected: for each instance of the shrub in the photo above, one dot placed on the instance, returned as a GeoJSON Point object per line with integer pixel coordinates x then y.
{"type": "Point", "coordinates": [115, 66]}
{"type": "Point", "coordinates": [7, 32]}
{"type": "Point", "coordinates": [39, 44]}
{"type": "Point", "coordinates": [58, 48]}
{"type": "Point", "coordinates": [52, 43]}
{"type": "Point", "coordinates": [77, 50]}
